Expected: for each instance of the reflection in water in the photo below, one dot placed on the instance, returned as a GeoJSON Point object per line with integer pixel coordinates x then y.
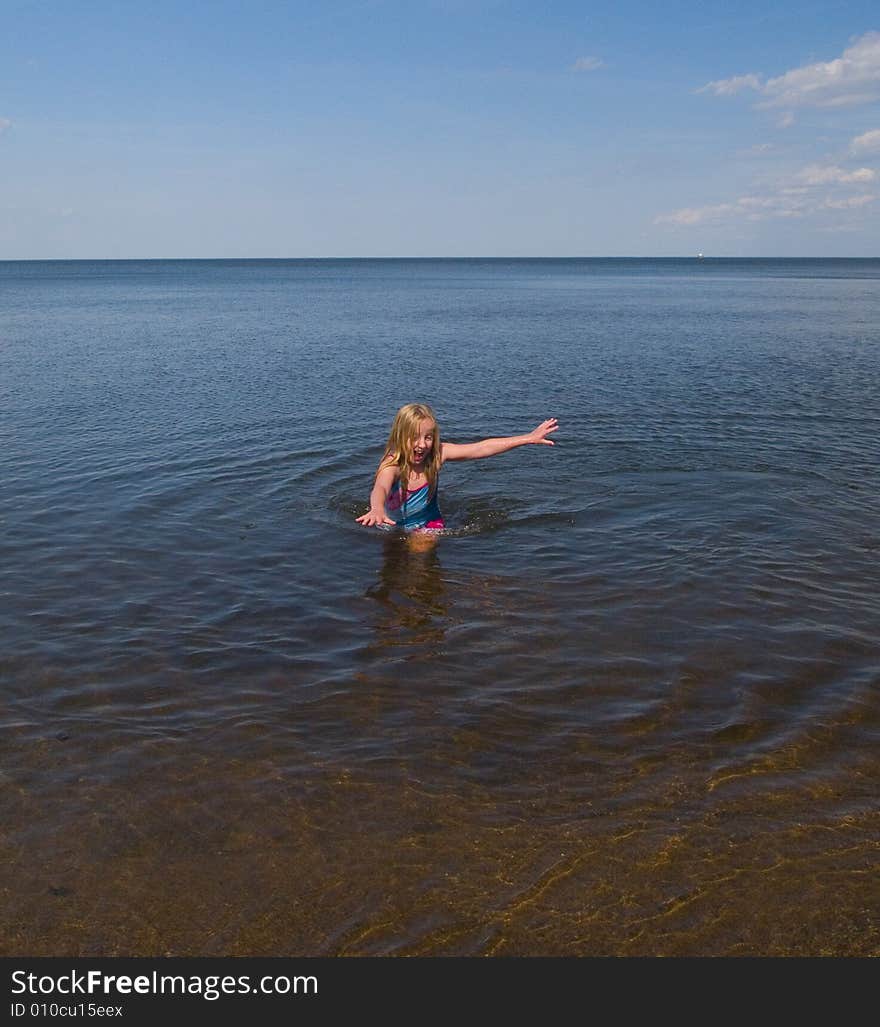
{"type": "Point", "coordinates": [411, 592]}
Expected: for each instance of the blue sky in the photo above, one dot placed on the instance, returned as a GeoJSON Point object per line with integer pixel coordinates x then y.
{"type": "Point", "coordinates": [439, 127]}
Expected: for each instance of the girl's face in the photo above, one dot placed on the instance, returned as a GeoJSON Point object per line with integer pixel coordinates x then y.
{"type": "Point", "coordinates": [423, 442]}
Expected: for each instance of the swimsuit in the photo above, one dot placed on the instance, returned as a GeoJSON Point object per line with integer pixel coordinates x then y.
{"type": "Point", "coordinates": [419, 510]}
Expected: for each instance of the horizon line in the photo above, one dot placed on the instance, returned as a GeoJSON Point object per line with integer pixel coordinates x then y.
{"type": "Point", "coordinates": [670, 256]}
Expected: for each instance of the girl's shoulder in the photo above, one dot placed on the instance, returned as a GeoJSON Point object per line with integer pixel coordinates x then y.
{"type": "Point", "coordinates": [389, 468]}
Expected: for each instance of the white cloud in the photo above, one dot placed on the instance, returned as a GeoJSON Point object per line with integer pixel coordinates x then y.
{"type": "Point", "coordinates": [824, 190]}
{"type": "Point", "coordinates": [730, 86]}
{"type": "Point", "coordinates": [747, 208]}
{"type": "Point", "coordinates": [868, 142]}
{"type": "Point", "coordinates": [4, 124]}
{"type": "Point", "coordinates": [758, 150]}
{"type": "Point", "coordinates": [830, 174]}
{"type": "Point", "coordinates": [588, 64]}
{"type": "Point", "coordinates": [760, 208]}
{"type": "Point", "coordinates": [695, 215]}
{"type": "Point", "coordinates": [850, 79]}
{"type": "Point", "coordinates": [786, 202]}
{"type": "Point", "coordinates": [757, 202]}
{"type": "Point", "coordinates": [849, 202]}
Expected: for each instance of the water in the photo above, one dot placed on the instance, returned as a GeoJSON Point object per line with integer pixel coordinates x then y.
{"type": "Point", "coordinates": [628, 704]}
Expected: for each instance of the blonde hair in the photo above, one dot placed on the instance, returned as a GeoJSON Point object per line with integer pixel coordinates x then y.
{"type": "Point", "coordinates": [398, 449]}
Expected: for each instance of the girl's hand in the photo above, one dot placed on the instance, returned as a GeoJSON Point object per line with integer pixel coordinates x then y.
{"type": "Point", "coordinates": [539, 435]}
{"type": "Point", "coordinates": [375, 517]}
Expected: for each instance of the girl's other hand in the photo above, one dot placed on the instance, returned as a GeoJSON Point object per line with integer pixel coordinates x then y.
{"type": "Point", "coordinates": [539, 435]}
{"type": "Point", "coordinates": [375, 517]}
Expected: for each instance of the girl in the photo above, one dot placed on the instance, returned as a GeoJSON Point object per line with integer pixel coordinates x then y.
{"type": "Point", "coordinates": [405, 490]}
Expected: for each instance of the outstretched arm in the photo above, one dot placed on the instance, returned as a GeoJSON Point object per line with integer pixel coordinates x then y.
{"type": "Point", "coordinates": [376, 514]}
{"type": "Point", "coordinates": [492, 447]}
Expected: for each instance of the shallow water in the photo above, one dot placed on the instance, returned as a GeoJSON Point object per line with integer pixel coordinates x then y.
{"type": "Point", "coordinates": [627, 705]}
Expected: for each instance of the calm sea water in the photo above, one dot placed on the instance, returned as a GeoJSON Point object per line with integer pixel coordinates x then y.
{"type": "Point", "coordinates": [627, 705]}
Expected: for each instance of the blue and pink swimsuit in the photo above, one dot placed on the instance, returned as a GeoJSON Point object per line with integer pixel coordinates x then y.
{"type": "Point", "coordinates": [418, 510]}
